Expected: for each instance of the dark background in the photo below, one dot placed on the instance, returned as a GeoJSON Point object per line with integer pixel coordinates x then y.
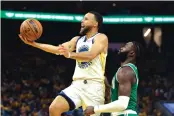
{"type": "Point", "coordinates": [59, 32]}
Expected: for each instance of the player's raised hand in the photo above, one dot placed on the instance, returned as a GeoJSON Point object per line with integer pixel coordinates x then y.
{"type": "Point", "coordinates": [24, 39]}
{"type": "Point", "coordinates": [89, 111]}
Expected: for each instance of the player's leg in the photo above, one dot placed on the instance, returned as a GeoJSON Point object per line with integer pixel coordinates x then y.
{"type": "Point", "coordinates": [58, 106]}
{"type": "Point", "coordinates": [67, 100]}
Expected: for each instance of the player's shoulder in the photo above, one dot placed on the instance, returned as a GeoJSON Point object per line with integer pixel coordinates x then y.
{"type": "Point", "coordinates": [76, 37]}
{"type": "Point", "coordinates": [102, 35]}
{"type": "Point", "coordinates": [126, 71]}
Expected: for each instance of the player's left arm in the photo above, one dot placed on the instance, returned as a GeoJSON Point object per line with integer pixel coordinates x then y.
{"type": "Point", "coordinates": [125, 78]}
{"type": "Point", "coordinates": [100, 43]}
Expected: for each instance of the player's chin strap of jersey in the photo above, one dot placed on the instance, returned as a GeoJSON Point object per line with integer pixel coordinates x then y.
{"type": "Point", "coordinates": [115, 106]}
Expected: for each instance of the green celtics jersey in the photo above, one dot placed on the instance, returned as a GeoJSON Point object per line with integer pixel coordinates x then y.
{"type": "Point", "coordinates": [133, 96]}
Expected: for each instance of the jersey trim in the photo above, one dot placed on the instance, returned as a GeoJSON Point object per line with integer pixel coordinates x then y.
{"type": "Point", "coordinates": [78, 40]}
{"type": "Point", "coordinates": [116, 74]}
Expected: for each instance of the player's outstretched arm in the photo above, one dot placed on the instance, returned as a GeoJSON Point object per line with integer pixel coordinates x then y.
{"type": "Point", "coordinates": [70, 45]}
{"type": "Point", "coordinates": [125, 78]}
{"type": "Point", "coordinates": [100, 43]}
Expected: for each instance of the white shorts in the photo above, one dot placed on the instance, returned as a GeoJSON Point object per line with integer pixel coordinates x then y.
{"type": "Point", "coordinates": [86, 93]}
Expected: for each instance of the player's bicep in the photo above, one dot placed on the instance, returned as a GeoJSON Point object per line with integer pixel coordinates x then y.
{"type": "Point", "coordinates": [125, 77]}
{"type": "Point", "coordinates": [101, 41]}
{"type": "Point", "coordinates": [71, 45]}
{"type": "Point", "coordinates": [124, 88]}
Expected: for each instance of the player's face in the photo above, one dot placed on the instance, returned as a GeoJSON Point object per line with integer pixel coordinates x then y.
{"type": "Point", "coordinates": [127, 47]}
{"type": "Point", "coordinates": [87, 23]}
{"type": "Point", "coordinates": [125, 50]}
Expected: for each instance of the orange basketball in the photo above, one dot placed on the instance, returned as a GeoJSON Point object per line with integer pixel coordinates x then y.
{"type": "Point", "coordinates": [31, 29]}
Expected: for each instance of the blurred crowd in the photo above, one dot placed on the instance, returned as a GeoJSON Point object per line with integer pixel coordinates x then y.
{"type": "Point", "coordinates": [29, 85]}
{"type": "Point", "coordinates": [30, 82]}
{"type": "Point", "coordinates": [151, 90]}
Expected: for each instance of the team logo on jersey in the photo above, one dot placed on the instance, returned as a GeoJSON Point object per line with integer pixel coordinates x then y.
{"type": "Point", "coordinates": [83, 65]}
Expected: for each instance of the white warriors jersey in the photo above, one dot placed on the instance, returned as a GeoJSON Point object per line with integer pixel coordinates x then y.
{"type": "Point", "coordinates": [93, 69]}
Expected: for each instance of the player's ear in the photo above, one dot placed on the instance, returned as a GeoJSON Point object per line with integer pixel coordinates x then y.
{"type": "Point", "coordinates": [132, 53]}
{"type": "Point", "coordinates": [96, 24]}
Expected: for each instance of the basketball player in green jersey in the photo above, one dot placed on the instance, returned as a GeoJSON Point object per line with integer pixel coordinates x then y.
{"type": "Point", "coordinates": [124, 85]}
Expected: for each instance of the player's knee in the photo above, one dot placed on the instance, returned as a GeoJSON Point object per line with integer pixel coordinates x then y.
{"type": "Point", "coordinates": [59, 105]}
{"type": "Point", "coordinates": [51, 108]}
{"type": "Point", "coordinates": [55, 107]}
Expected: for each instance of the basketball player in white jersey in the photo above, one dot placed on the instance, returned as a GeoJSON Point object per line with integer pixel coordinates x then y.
{"type": "Point", "coordinates": [91, 48]}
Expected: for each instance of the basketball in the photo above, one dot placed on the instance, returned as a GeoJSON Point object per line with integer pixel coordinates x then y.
{"type": "Point", "coordinates": [31, 29]}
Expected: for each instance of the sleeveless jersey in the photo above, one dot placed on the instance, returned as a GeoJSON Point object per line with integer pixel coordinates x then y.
{"type": "Point", "coordinates": [133, 96]}
{"type": "Point", "coordinates": [93, 69]}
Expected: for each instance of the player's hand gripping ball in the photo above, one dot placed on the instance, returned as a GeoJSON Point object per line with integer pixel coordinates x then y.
{"type": "Point", "coordinates": [31, 29]}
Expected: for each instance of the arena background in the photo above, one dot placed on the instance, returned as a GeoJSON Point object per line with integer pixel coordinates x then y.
{"type": "Point", "coordinates": [31, 78]}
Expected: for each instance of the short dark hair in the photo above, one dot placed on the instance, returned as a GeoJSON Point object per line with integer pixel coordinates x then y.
{"type": "Point", "coordinates": [98, 18]}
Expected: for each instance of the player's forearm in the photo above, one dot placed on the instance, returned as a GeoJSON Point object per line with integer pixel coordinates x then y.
{"type": "Point", "coordinates": [115, 106]}
{"type": "Point", "coordinates": [82, 56]}
{"type": "Point", "coordinates": [46, 47]}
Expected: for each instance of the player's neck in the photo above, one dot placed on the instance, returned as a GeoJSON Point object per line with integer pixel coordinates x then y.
{"type": "Point", "coordinates": [128, 61]}
{"type": "Point", "coordinates": [91, 33]}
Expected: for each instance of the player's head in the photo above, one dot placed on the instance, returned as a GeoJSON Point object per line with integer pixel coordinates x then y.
{"type": "Point", "coordinates": [91, 20]}
{"type": "Point", "coordinates": [131, 50]}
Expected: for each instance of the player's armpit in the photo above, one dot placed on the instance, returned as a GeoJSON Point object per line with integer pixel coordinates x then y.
{"type": "Point", "coordinates": [100, 43]}
{"type": "Point", "coordinates": [125, 78]}
{"type": "Point", "coordinates": [71, 45]}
